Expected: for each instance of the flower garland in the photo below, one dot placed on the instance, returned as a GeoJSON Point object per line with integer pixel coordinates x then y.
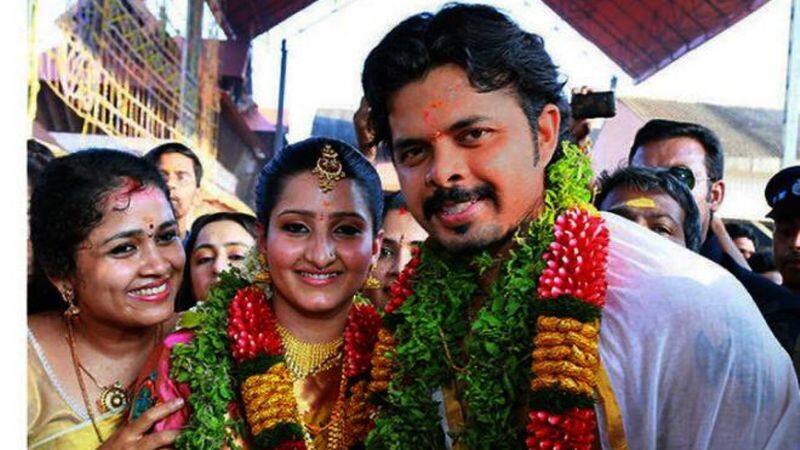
{"type": "Point", "coordinates": [237, 354]}
{"type": "Point", "coordinates": [516, 354]}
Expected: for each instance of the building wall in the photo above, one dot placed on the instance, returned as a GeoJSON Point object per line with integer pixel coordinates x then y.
{"type": "Point", "coordinates": [744, 195]}
{"type": "Point", "coordinates": [235, 155]}
{"type": "Point", "coordinates": [614, 141]}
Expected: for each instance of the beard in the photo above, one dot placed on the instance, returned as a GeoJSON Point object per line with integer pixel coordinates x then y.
{"type": "Point", "coordinates": [487, 237]}
{"type": "Point", "coordinates": [471, 238]}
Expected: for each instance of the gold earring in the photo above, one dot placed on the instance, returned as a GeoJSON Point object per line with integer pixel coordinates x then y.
{"type": "Point", "coordinates": [69, 298]}
{"type": "Point", "coordinates": [263, 275]}
{"type": "Point", "coordinates": [371, 283]}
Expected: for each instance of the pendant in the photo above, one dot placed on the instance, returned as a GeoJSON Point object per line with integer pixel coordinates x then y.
{"type": "Point", "coordinates": [112, 397]}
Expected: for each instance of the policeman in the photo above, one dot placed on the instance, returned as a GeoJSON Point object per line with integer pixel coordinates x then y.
{"type": "Point", "coordinates": [783, 195]}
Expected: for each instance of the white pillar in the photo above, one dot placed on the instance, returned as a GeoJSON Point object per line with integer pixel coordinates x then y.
{"type": "Point", "coordinates": [791, 110]}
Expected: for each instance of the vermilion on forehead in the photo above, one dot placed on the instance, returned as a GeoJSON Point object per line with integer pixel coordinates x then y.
{"type": "Point", "coordinates": [120, 198]}
{"type": "Point", "coordinates": [442, 105]}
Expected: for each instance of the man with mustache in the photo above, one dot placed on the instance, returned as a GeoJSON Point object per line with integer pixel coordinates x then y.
{"type": "Point", "coordinates": [182, 171]}
{"type": "Point", "coordinates": [471, 107]}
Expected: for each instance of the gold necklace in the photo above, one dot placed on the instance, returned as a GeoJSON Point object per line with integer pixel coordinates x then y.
{"type": "Point", "coordinates": [110, 395]}
{"type": "Point", "coordinates": [336, 424]}
{"type": "Point", "coordinates": [76, 363]}
{"type": "Point", "coordinates": [306, 358]}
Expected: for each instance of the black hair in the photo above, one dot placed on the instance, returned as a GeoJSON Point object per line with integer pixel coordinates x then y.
{"type": "Point", "coordinates": [303, 156]}
{"type": "Point", "coordinates": [491, 48]}
{"type": "Point", "coordinates": [39, 287]}
{"type": "Point", "coordinates": [155, 154]}
{"type": "Point", "coordinates": [393, 200]}
{"type": "Point", "coordinates": [659, 129]}
{"type": "Point", "coordinates": [68, 199]}
{"type": "Point", "coordinates": [186, 298]}
{"type": "Point", "coordinates": [736, 230]}
{"type": "Point", "coordinates": [656, 179]}
{"type": "Point", "coordinates": [38, 157]}
{"type": "Point", "coordinates": [762, 262]}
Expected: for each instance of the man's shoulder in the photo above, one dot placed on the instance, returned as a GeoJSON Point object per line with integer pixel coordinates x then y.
{"type": "Point", "coordinates": [641, 261]}
{"type": "Point", "coordinates": [675, 319]}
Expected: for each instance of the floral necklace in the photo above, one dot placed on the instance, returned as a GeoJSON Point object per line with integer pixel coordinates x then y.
{"type": "Point", "coordinates": [238, 344]}
{"type": "Point", "coordinates": [531, 346]}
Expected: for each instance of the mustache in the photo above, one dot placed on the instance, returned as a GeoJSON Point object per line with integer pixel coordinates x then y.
{"type": "Point", "coordinates": [455, 195]}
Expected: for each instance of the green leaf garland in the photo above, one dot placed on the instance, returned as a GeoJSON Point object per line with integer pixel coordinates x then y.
{"type": "Point", "coordinates": [205, 364]}
{"type": "Point", "coordinates": [488, 358]}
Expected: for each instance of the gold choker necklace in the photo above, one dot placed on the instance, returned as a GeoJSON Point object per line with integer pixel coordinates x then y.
{"type": "Point", "coordinates": [305, 358]}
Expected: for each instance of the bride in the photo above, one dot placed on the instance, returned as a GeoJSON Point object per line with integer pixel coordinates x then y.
{"type": "Point", "coordinates": [278, 355]}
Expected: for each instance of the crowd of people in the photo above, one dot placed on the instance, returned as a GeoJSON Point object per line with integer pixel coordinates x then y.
{"type": "Point", "coordinates": [504, 298]}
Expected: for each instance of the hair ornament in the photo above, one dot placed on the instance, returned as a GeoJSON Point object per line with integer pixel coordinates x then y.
{"type": "Point", "coordinates": [329, 169]}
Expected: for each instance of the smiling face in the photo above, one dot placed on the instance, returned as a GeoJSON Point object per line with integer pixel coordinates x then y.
{"type": "Point", "coordinates": [401, 234]}
{"type": "Point", "coordinates": [129, 268]}
{"type": "Point", "coordinates": [220, 245]}
{"type": "Point", "coordinates": [319, 246]}
{"type": "Point", "coordinates": [466, 160]}
{"type": "Point", "coordinates": [656, 211]}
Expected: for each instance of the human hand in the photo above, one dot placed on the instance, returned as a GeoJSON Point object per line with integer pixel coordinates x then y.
{"type": "Point", "coordinates": [728, 246]}
{"type": "Point", "coordinates": [364, 133]}
{"type": "Point", "coordinates": [134, 436]}
{"type": "Point", "coordinates": [580, 128]}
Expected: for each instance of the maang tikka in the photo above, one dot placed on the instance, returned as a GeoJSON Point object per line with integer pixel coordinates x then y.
{"type": "Point", "coordinates": [329, 169]}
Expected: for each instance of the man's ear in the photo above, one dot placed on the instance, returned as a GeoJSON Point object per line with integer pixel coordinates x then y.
{"type": "Point", "coordinates": [716, 194]}
{"type": "Point", "coordinates": [547, 132]}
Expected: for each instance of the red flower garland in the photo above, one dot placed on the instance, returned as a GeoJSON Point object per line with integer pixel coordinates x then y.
{"type": "Point", "coordinates": [251, 325]}
{"type": "Point", "coordinates": [576, 265]}
{"type": "Point", "coordinates": [360, 335]}
{"type": "Point", "coordinates": [252, 333]}
{"type": "Point", "coordinates": [576, 259]}
{"type": "Point", "coordinates": [573, 430]}
{"type": "Point", "coordinates": [401, 288]}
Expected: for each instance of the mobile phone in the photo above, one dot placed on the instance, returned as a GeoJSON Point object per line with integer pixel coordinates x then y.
{"type": "Point", "coordinates": [593, 104]}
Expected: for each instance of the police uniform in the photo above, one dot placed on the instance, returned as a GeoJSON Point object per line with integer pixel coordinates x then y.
{"type": "Point", "coordinates": [783, 196]}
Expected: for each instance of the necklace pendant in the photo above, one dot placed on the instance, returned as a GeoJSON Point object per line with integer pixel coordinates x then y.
{"type": "Point", "coordinates": [112, 397]}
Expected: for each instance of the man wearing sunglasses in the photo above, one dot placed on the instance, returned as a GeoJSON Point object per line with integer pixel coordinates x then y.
{"type": "Point", "coordinates": [695, 156]}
